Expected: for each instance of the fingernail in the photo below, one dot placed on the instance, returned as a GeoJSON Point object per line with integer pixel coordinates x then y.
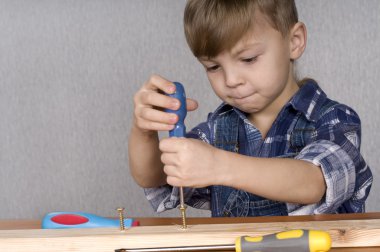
{"type": "Point", "coordinates": [173, 118]}
{"type": "Point", "coordinates": [171, 89]}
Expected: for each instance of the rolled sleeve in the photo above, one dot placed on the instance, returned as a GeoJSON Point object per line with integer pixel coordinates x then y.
{"type": "Point", "coordinates": [338, 170]}
{"type": "Point", "coordinates": [335, 148]}
{"type": "Point", "coordinates": [167, 197]}
{"type": "Point", "coordinates": [161, 198]}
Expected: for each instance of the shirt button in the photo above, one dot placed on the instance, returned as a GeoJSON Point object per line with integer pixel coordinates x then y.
{"type": "Point", "coordinates": [226, 214]}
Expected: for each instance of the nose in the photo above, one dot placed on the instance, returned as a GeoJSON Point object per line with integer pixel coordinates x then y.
{"type": "Point", "coordinates": [232, 77]}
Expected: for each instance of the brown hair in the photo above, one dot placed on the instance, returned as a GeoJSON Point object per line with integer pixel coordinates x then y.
{"type": "Point", "coordinates": [212, 26]}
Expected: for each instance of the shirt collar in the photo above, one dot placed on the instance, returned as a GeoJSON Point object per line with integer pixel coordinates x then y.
{"type": "Point", "coordinates": [225, 108]}
{"type": "Point", "coordinates": [307, 100]}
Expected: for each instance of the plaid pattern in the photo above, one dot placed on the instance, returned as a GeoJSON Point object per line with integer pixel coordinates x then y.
{"type": "Point", "coordinates": [333, 144]}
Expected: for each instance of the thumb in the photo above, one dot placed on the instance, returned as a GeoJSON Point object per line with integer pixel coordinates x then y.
{"type": "Point", "coordinates": [191, 104]}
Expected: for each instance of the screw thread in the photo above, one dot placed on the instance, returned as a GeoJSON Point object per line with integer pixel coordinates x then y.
{"type": "Point", "coordinates": [121, 218]}
{"type": "Point", "coordinates": [183, 213]}
{"type": "Point", "coordinates": [182, 207]}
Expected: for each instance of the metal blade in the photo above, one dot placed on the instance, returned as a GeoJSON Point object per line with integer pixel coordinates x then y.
{"type": "Point", "coordinates": [181, 248]}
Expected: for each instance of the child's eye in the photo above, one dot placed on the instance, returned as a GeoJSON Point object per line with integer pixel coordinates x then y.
{"type": "Point", "coordinates": [250, 60]}
{"type": "Point", "coordinates": [212, 68]}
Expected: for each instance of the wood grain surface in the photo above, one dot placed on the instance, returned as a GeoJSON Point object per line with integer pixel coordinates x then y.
{"type": "Point", "coordinates": [351, 234]}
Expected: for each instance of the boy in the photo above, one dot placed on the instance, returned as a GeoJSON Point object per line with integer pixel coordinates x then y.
{"type": "Point", "coordinates": [275, 146]}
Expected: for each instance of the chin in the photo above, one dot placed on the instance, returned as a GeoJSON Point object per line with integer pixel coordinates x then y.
{"type": "Point", "coordinates": [246, 109]}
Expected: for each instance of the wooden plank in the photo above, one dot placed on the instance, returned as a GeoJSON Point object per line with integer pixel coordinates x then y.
{"type": "Point", "coordinates": [344, 233]}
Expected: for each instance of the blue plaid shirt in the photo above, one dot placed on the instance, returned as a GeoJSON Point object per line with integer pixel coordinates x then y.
{"type": "Point", "coordinates": [333, 144]}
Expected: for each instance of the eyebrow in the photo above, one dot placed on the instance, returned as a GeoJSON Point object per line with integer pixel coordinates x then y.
{"type": "Point", "coordinates": [234, 54]}
{"type": "Point", "coordinates": [205, 59]}
{"type": "Point", "coordinates": [246, 47]}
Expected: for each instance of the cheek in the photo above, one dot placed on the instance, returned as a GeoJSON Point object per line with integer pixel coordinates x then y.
{"type": "Point", "coordinates": [283, 64]}
{"type": "Point", "coordinates": [217, 86]}
{"type": "Point", "coordinates": [273, 75]}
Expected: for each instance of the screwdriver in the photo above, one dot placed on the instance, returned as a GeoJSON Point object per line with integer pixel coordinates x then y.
{"type": "Point", "coordinates": [60, 220]}
{"type": "Point", "coordinates": [179, 131]}
{"type": "Point", "coordinates": [298, 240]}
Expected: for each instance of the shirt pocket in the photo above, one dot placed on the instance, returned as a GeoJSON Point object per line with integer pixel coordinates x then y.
{"type": "Point", "coordinates": [237, 204]}
{"type": "Point", "coordinates": [242, 204]}
{"type": "Point", "coordinates": [267, 208]}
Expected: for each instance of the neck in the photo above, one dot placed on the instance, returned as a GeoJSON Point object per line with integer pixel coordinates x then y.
{"type": "Point", "coordinates": [264, 119]}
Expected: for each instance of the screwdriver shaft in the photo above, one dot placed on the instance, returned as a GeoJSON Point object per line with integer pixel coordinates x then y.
{"type": "Point", "coordinates": [182, 248]}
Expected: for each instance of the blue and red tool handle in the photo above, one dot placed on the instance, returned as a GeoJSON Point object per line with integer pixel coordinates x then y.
{"type": "Point", "coordinates": [60, 220]}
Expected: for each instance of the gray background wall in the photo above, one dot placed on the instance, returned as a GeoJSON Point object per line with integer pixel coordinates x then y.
{"type": "Point", "coordinates": [69, 69]}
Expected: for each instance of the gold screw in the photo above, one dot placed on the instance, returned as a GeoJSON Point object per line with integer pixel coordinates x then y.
{"type": "Point", "coordinates": [182, 207]}
{"type": "Point", "coordinates": [121, 218]}
{"type": "Point", "coordinates": [183, 213]}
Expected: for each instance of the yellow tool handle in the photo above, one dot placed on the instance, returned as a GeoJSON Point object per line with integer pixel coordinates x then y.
{"type": "Point", "coordinates": [289, 241]}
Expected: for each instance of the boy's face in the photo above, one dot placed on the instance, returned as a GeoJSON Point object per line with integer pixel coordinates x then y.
{"type": "Point", "coordinates": [256, 74]}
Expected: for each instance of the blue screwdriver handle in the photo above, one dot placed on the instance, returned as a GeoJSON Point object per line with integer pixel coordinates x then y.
{"type": "Point", "coordinates": [179, 129]}
{"type": "Point", "coordinates": [62, 220]}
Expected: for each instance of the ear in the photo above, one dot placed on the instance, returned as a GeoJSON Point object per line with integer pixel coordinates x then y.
{"type": "Point", "coordinates": [297, 39]}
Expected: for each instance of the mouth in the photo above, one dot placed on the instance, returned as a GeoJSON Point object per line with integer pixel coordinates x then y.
{"type": "Point", "coordinates": [240, 97]}
{"type": "Point", "coordinates": [241, 100]}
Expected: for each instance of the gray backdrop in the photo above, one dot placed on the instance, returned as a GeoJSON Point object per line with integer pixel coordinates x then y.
{"type": "Point", "coordinates": [69, 69]}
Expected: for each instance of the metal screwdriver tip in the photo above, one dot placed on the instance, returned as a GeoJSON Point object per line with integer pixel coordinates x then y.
{"type": "Point", "coordinates": [121, 218]}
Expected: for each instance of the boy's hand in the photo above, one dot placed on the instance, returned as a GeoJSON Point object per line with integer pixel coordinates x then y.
{"type": "Point", "coordinates": [189, 162]}
{"type": "Point", "coordinates": [150, 101]}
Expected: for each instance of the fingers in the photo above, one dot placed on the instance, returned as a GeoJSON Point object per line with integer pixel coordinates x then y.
{"type": "Point", "coordinates": [151, 94]}
{"type": "Point", "coordinates": [173, 144]}
{"type": "Point", "coordinates": [150, 103]}
{"type": "Point", "coordinates": [171, 171]}
{"type": "Point", "coordinates": [173, 176]}
{"type": "Point", "coordinates": [150, 125]}
{"type": "Point", "coordinates": [149, 118]}
{"type": "Point", "coordinates": [177, 159]}
{"type": "Point", "coordinates": [157, 82]}
{"type": "Point", "coordinates": [170, 158]}
{"type": "Point", "coordinates": [153, 98]}
{"type": "Point", "coordinates": [176, 176]}
{"type": "Point", "coordinates": [174, 181]}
